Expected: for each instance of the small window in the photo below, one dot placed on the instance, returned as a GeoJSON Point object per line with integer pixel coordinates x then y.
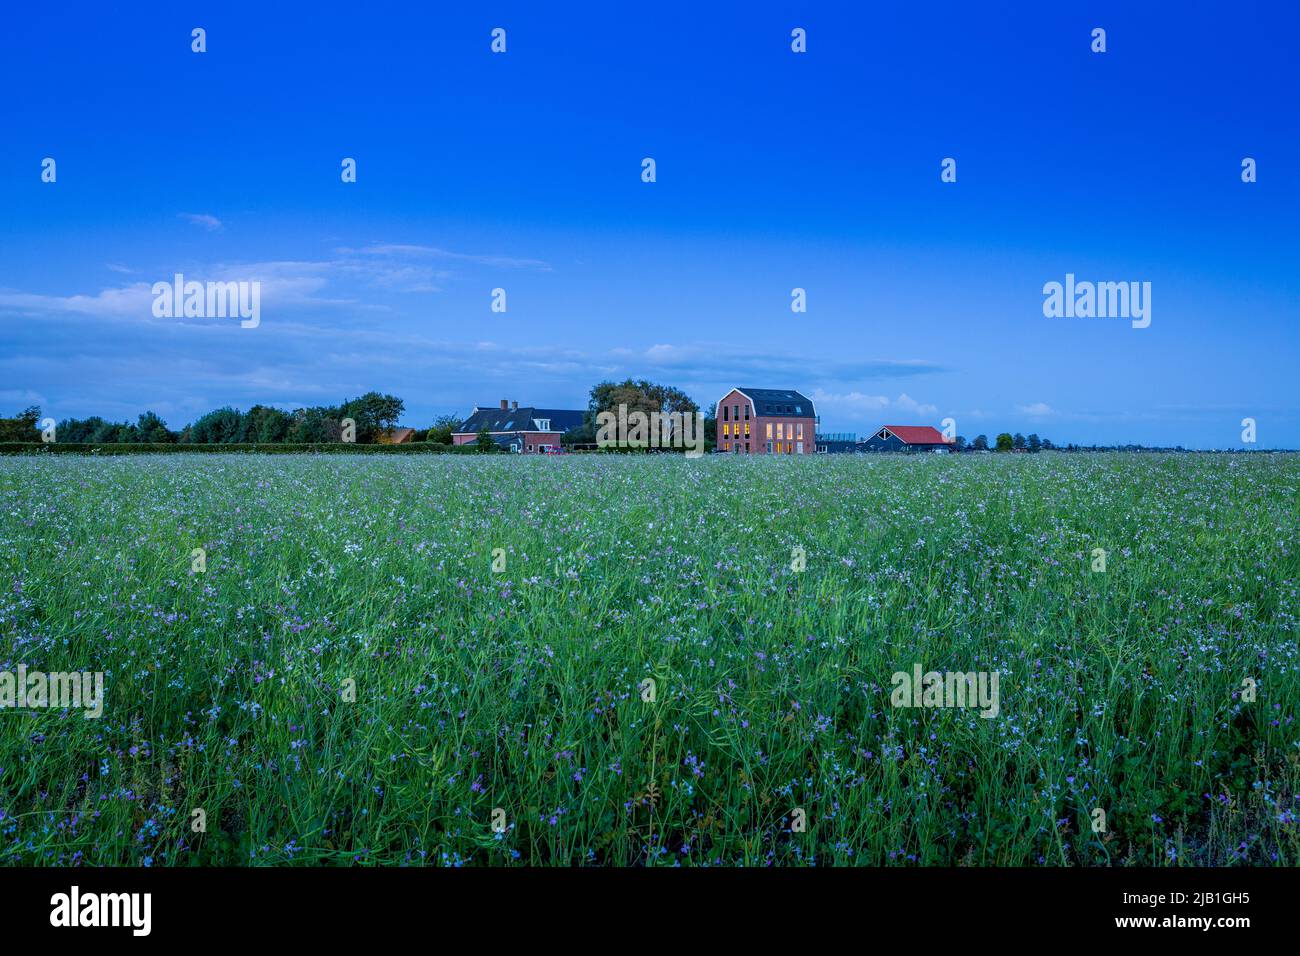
{"type": "Point", "coordinates": [726, 413]}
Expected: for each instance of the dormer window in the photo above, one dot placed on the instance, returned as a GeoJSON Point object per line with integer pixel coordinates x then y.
{"type": "Point", "coordinates": [543, 424]}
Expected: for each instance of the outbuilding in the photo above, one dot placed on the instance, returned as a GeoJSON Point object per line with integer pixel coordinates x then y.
{"type": "Point", "coordinates": [911, 438]}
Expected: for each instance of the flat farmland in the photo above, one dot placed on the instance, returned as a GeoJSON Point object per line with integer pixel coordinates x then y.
{"type": "Point", "coordinates": [647, 660]}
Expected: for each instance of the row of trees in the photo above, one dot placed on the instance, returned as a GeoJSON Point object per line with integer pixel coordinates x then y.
{"type": "Point", "coordinates": [374, 413]}
{"type": "Point", "coordinates": [1006, 442]}
{"type": "Point", "coordinates": [370, 415]}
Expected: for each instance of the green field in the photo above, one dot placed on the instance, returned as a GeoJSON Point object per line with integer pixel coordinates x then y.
{"type": "Point", "coordinates": [1120, 690]}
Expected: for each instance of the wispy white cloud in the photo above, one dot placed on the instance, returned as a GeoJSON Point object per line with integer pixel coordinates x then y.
{"type": "Point", "coordinates": [722, 362]}
{"type": "Point", "coordinates": [859, 406]}
{"type": "Point", "coordinates": [434, 252]}
{"type": "Point", "coordinates": [1036, 410]}
{"type": "Point", "coordinates": [120, 302]}
{"type": "Point", "coordinates": [203, 219]}
{"type": "Point", "coordinates": [341, 281]}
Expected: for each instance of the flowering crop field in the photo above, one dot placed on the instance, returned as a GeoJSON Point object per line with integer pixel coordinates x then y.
{"type": "Point", "coordinates": [312, 659]}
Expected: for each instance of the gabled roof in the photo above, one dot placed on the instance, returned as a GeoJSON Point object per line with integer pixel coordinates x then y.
{"type": "Point", "coordinates": [396, 436]}
{"type": "Point", "coordinates": [916, 434]}
{"type": "Point", "coordinates": [519, 420]}
{"type": "Point", "coordinates": [779, 401]}
{"type": "Point", "coordinates": [562, 419]}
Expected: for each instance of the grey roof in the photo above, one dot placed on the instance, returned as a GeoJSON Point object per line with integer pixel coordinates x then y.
{"type": "Point", "coordinates": [519, 419]}
{"type": "Point", "coordinates": [780, 401]}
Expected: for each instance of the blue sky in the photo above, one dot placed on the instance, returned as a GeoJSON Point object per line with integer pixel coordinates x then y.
{"type": "Point", "coordinates": [775, 170]}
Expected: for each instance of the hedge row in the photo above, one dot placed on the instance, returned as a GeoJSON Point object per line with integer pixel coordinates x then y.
{"type": "Point", "coordinates": [145, 448]}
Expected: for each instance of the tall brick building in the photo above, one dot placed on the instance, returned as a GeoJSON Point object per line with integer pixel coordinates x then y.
{"type": "Point", "coordinates": [766, 421]}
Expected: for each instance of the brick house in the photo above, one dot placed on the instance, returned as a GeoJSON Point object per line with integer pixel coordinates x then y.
{"type": "Point", "coordinates": [526, 430]}
{"type": "Point", "coordinates": [766, 421]}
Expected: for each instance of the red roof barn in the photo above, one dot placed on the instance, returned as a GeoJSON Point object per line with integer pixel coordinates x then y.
{"type": "Point", "coordinates": [907, 438]}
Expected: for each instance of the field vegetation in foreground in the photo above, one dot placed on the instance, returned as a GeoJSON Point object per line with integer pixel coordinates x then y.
{"type": "Point", "coordinates": [1122, 690]}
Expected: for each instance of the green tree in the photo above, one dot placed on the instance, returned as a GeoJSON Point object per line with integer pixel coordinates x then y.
{"type": "Point", "coordinates": [23, 426]}
{"type": "Point", "coordinates": [442, 428]}
{"type": "Point", "coordinates": [265, 425]}
{"type": "Point", "coordinates": [981, 443]}
{"type": "Point", "coordinates": [1005, 442]}
{"type": "Point", "coordinates": [78, 429]}
{"type": "Point", "coordinates": [1018, 441]}
{"type": "Point", "coordinates": [485, 441]}
{"type": "Point", "coordinates": [373, 414]}
{"type": "Point", "coordinates": [104, 432]}
{"type": "Point", "coordinates": [221, 427]}
{"type": "Point", "coordinates": [151, 428]}
{"type": "Point", "coordinates": [1034, 443]}
{"type": "Point", "coordinates": [639, 396]}
{"type": "Point", "coordinates": [319, 425]}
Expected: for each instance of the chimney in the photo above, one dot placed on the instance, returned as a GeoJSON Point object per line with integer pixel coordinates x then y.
{"type": "Point", "coordinates": [505, 405]}
{"type": "Point", "coordinates": [514, 406]}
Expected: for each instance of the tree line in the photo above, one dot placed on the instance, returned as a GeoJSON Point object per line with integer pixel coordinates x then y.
{"type": "Point", "coordinates": [1005, 442]}
{"type": "Point", "coordinates": [361, 419]}
{"type": "Point", "coordinates": [366, 418]}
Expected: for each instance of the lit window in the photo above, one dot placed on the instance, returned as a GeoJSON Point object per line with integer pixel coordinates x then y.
{"type": "Point", "coordinates": [746, 429]}
{"type": "Point", "coordinates": [769, 435]}
{"type": "Point", "coordinates": [780, 429]}
{"type": "Point", "coordinates": [801, 429]}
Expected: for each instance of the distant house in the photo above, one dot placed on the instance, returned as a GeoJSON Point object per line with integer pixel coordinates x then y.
{"type": "Point", "coordinates": [766, 421]}
{"type": "Point", "coordinates": [837, 443]}
{"type": "Point", "coordinates": [396, 436]}
{"type": "Point", "coordinates": [907, 438]}
{"type": "Point", "coordinates": [525, 430]}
